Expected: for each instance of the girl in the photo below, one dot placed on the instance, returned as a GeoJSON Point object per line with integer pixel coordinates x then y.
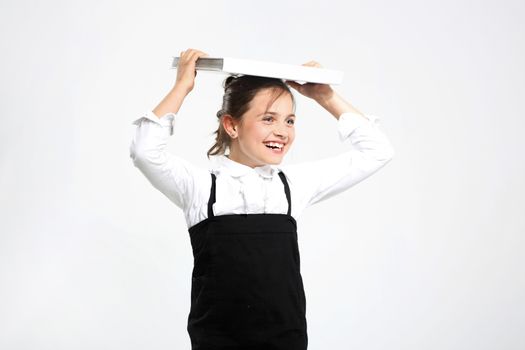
{"type": "Point", "coordinates": [247, 290]}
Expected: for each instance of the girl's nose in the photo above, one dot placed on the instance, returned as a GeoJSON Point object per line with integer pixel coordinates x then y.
{"type": "Point", "coordinates": [280, 132]}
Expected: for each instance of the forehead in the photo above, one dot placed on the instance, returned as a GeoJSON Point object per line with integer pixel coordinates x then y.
{"type": "Point", "coordinates": [267, 100]}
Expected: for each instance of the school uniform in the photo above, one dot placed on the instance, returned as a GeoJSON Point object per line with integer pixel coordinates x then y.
{"type": "Point", "coordinates": [247, 289]}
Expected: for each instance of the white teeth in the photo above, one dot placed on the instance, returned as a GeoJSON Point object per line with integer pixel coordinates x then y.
{"type": "Point", "coordinates": [275, 144]}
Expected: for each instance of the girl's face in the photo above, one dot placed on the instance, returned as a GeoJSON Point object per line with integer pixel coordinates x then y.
{"type": "Point", "coordinates": [264, 138]}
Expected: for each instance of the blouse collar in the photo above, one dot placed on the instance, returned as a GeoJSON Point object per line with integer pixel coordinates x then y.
{"type": "Point", "coordinates": [235, 169]}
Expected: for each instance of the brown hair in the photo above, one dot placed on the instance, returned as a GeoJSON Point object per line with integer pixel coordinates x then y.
{"type": "Point", "coordinates": [239, 91]}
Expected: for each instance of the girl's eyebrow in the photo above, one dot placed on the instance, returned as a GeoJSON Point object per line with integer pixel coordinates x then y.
{"type": "Point", "coordinates": [274, 113]}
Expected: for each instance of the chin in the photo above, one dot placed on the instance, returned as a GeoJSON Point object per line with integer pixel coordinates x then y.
{"type": "Point", "coordinates": [276, 160]}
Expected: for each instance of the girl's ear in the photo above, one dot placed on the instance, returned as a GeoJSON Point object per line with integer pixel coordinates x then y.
{"type": "Point", "coordinates": [227, 122]}
{"type": "Point", "coordinates": [229, 125]}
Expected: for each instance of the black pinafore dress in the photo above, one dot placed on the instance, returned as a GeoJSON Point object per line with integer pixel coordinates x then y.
{"type": "Point", "coordinates": [247, 291]}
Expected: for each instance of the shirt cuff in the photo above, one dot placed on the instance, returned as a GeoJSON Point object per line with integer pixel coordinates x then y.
{"type": "Point", "coordinates": [166, 120]}
{"type": "Point", "coordinates": [350, 121]}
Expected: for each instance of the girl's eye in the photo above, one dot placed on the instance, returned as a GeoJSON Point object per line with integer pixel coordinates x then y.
{"type": "Point", "coordinates": [270, 118]}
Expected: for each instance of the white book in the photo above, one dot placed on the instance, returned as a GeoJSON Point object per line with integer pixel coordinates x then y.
{"type": "Point", "coordinates": [297, 73]}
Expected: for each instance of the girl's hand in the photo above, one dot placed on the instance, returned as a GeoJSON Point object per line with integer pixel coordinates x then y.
{"type": "Point", "coordinates": [318, 92]}
{"type": "Point", "coordinates": [186, 71]}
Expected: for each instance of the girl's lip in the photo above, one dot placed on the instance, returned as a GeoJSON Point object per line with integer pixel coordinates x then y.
{"type": "Point", "coordinates": [279, 142]}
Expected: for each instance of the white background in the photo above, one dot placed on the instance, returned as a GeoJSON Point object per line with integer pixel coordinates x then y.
{"type": "Point", "coordinates": [425, 254]}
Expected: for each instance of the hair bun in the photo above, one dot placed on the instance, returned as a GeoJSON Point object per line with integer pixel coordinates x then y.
{"type": "Point", "coordinates": [229, 80]}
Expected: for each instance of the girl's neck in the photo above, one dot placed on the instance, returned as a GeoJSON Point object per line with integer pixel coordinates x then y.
{"type": "Point", "coordinates": [236, 161]}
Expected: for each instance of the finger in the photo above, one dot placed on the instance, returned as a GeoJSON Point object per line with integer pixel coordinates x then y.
{"type": "Point", "coordinates": [197, 53]}
{"type": "Point", "coordinates": [312, 64]}
{"type": "Point", "coordinates": [187, 54]}
{"type": "Point", "coordinates": [183, 56]}
{"type": "Point", "coordinates": [194, 55]}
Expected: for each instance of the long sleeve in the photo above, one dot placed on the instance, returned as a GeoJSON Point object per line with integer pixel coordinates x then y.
{"type": "Point", "coordinates": [319, 180]}
{"type": "Point", "coordinates": [169, 173]}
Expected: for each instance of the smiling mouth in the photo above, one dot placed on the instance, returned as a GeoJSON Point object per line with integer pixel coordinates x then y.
{"type": "Point", "coordinates": [275, 147]}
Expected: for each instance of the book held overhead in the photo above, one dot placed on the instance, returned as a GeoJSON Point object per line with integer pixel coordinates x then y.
{"type": "Point", "coordinates": [297, 73]}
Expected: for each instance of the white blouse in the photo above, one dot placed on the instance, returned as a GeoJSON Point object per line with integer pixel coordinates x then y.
{"type": "Point", "coordinates": [241, 189]}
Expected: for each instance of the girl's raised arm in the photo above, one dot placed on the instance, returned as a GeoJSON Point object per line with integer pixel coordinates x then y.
{"type": "Point", "coordinates": [170, 174]}
{"type": "Point", "coordinates": [319, 180]}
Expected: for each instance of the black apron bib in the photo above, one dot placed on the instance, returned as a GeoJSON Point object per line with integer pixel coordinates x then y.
{"type": "Point", "coordinates": [247, 290]}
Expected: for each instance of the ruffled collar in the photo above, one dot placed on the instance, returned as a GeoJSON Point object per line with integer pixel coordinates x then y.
{"type": "Point", "coordinates": [235, 169]}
